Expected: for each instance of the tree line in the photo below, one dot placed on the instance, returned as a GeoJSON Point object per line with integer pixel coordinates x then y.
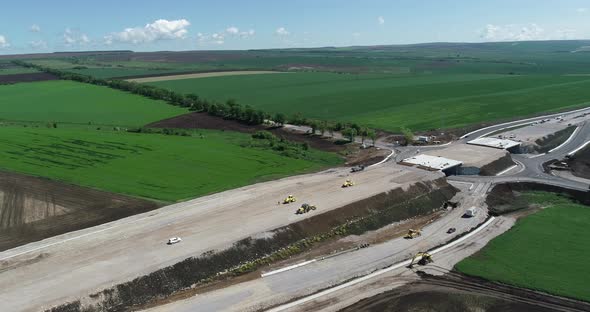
{"type": "Point", "coordinates": [229, 110]}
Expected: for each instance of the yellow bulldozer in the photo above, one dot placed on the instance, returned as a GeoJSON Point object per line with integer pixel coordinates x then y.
{"type": "Point", "coordinates": [305, 208]}
{"type": "Point", "coordinates": [348, 183]}
{"type": "Point", "coordinates": [289, 199]}
{"type": "Point", "coordinates": [412, 234]}
{"type": "Point", "coordinates": [422, 258]}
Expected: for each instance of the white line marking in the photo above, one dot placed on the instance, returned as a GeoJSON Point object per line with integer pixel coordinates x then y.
{"type": "Point", "coordinates": [376, 273]}
{"type": "Point", "coordinates": [524, 121]}
{"type": "Point", "coordinates": [384, 160]}
{"type": "Point", "coordinates": [566, 141]}
{"type": "Point", "coordinates": [291, 267]}
{"type": "Point", "coordinates": [572, 153]}
{"type": "Point", "coordinates": [503, 172]}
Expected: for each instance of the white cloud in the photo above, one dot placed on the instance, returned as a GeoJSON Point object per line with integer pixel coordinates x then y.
{"type": "Point", "coordinates": [158, 30]}
{"type": "Point", "coordinates": [72, 37]}
{"type": "Point", "coordinates": [4, 42]}
{"type": "Point", "coordinates": [582, 10]}
{"type": "Point", "coordinates": [35, 28]}
{"type": "Point", "coordinates": [518, 32]}
{"type": "Point", "coordinates": [232, 30]}
{"type": "Point", "coordinates": [281, 31]}
{"type": "Point", "coordinates": [356, 34]}
{"type": "Point", "coordinates": [215, 38]}
{"type": "Point", "coordinates": [39, 44]}
{"type": "Point", "coordinates": [380, 20]}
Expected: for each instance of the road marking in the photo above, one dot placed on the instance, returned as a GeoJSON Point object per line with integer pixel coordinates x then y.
{"type": "Point", "coordinates": [572, 153]}
{"type": "Point", "coordinates": [291, 267]}
{"type": "Point", "coordinates": [376, 273]}
{"type": "Point", "coordinates": [522, 120]}
{"type": "Point", "coordinates": [566, 141]}
{"type": "Point", "coordinates": [384, 160]}
{"type": "Point", "coordinates": [503, 172]}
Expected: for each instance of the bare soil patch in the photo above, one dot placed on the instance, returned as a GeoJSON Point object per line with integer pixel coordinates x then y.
{"type": "Point", "coordinates": [202, 75]}
{"type": "Point", "coordinates": [456, 292]}
{"type": "Point", "coordinates": [30, 77]}
{"type": "Point", "coordinates": [32, 208]}
{"type": "Point", "coordinates": [580, 163]}
{"type": "Point", "coordinates": [353, 153]}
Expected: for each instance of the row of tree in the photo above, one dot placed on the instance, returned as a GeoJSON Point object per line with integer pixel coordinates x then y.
{"type": "Point", "coordinates": [228, 110]}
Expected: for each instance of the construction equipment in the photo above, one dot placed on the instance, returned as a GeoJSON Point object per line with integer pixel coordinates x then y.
{"type": "Point", "coordinates": [305, 208]}
{"type": "Point", "coordinates": [348, 183]}
{"type": "Point", "coordinates": [289, 199]}
{"type": "Point", "coordinates": [357, 168]}
{"type": "Point", "coordinates": [422, 258]}
{"type": "Point", "coordinates": [412, 234]}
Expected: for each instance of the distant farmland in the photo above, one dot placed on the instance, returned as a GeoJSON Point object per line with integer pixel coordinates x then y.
{"type": "Point", "coordinates": [156, 166]}
{"type": "Point", "coordinates": [420, 102]}
{"type": "Point", "coordinates": [73, 102]}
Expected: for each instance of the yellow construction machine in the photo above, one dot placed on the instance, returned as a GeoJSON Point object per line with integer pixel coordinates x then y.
{"type": "Point", "coordinates": [412, 234]}
{"type": "Point", "coordinates": [422, 258]}
{"type": "Point", "coordinates": [347, 183]}
{"type": "Point", "coordinates": [289, 199]}
{"type": "Point", "coordinates": [305, 208]}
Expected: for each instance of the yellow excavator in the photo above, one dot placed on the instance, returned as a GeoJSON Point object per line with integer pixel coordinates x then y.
{"type": "Point", "coordinates": [412, 234]}
{"type": "Point", "coordinates": [289, 199]}
{"type": "Point", "coordinates": [422, 258]}
{"type": "Point", "coordinates": [348, 183]}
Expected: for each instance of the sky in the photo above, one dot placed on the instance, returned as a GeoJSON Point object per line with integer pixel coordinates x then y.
{"type": "Point", "coordinates": [35, 26]}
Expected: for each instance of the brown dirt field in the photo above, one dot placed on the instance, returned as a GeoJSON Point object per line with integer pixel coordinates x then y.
{"type": "Point", "coordinates": [32, 208]}
{"type": "Point", "coordinates": [353, 153]}
{"type": "Point", "coordinates": [580, 163]}
{"type": "Point", "coordinates": [456, 292]}
{"type": "Point", "coordinates": [30, 77]}
{"type": "Point", "coordinates": [202, 75]}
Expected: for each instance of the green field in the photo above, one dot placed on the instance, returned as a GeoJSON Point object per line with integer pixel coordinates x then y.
{"type": "Point", "coordinates": [73, 102]}
{"type": "Point", "coordinates": [389, 102]}
{"type": "Point", "coordinates": [546, 251]}
{"type": "Point", "coordinates": [167, 168]}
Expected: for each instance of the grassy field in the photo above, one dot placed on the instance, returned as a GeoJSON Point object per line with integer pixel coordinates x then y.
{"type": "Point", "coordinates": [154, 166]}
{"type": "Point", "coordinates": [73, 102]}
{"type": "Point", "coordinates": [546, 251]}
{"type": "Point", "coordinates": [419, 102]}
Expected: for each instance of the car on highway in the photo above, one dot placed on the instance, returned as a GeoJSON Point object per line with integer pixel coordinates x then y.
{"type": "Point", "coordinates": [174, 240]}
{"type": "Point", "coordinates": [451, 230]}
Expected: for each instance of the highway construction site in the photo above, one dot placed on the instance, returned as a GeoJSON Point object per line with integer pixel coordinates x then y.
{"type": "Point", "coordinates": [248, 249]}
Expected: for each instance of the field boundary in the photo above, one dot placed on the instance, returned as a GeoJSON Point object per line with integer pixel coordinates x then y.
{"type": "Point", "coordinates": [203, 75]}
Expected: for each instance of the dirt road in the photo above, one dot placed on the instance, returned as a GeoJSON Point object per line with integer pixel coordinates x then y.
{"type": "Point", "coordinates": [96, 258]}
{"type": "Point", "coordinates": [201, 75]}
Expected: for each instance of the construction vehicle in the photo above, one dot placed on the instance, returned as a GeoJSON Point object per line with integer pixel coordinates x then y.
{"type": "Point", "coordinates": [357, 168]}
{"type": "Point", "coordinates": [305, 208]}
{"type": "Point", "coordinates": [348, 183]}
{"type": "Point", "coordinates": [422, 258]}
{"type": "Point", "coordinates": [412, 234]}
{"type": "Point", "coordinates": [289, 199]}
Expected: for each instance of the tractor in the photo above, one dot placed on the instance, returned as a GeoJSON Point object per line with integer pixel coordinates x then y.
{"type": "Point", "coordinates": [348, 183]}
{"type": "Point", "coordinates": [305, 208]}
{"type": "Point", "coordinates": [289, 199]}
{"type": "Point", "coordinates": [413, 234]}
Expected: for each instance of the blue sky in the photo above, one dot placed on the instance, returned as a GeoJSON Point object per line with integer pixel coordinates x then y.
{"type": "Point", "coordinates": [59, 25]}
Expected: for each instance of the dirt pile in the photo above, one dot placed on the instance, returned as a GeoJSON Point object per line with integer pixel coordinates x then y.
{"type": "Point", "coordinates": [505, 198]}
{"type": "Point", "coordinates": [497, 166]}
{"type": "Point", "coordinates": [456, 292]}
{"type": "Point", "coordinates": [32, 208]}
{"type": "Point", "coordinates": [356, 218]}
{"type": "Point", "coordinates": [580, 163]}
